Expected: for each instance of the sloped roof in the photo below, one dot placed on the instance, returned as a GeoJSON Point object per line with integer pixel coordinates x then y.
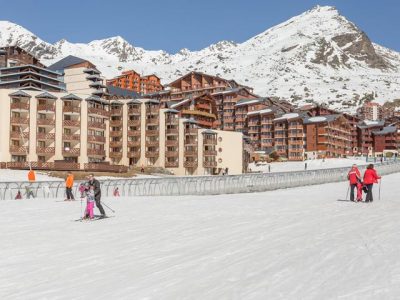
{"type": "Point", "coordinates": [20, 94]}
{"type": "Point", "coordinates": [385, 130]}
{"type": "Point", "coordinates": [117, 91]}
{"type": "Point", "coordinates": [66, 62]}
{"type": "Point", "coordinates": [46, 95]}
{"type": "Point", "coordinates": [71, 97]}
{"type": "Point", "coordinates": [321, 119]}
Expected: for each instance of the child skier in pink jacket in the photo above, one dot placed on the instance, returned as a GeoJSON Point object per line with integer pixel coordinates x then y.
{"type": "Point", "coordinates": [89, 203]}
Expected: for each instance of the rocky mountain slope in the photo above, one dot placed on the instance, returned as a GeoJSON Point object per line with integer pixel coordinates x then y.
{"type": "Point", "coordinates": [317, 56]}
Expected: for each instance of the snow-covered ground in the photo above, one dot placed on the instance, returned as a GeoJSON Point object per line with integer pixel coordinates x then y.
{"type": "Point", "coordinates": [301, 243]}
{"type": "Point", "coordinates": [313, 164]}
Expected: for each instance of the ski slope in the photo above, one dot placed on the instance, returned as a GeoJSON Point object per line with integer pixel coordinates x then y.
{"type": "Point", "coordinates": [297, 243]}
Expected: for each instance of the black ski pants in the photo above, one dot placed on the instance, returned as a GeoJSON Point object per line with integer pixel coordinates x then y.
{"type": "Point", "coordinates": [70, 196]}
{"type": "Point", "coordinates": [352, 186]}
{"type": "Point", "coordinates": [98, 204]}
{"type": "Point", "coordinates": [369, 197]}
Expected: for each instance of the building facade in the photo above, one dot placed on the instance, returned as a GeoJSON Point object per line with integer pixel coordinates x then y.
{"type": "Point", "coordinates": [131, 80]}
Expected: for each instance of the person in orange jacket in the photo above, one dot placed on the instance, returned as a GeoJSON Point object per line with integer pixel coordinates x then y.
{"type": "Point", "coordinates": [354, 177]}
{"type": "Point", "coordinates": [370, 177]}
{"type": "Point", "coordinates": [31, 175]}
{"type": "Point", "coordinates": [69, 183]}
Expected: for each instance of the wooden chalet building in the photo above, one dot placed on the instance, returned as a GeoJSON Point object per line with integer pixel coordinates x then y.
{"type": "Point", "coordinates": [131, 80]}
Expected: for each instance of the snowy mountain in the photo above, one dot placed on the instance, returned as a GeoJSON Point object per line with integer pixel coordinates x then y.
{"type": "Point", "coordinates": [317, 56]}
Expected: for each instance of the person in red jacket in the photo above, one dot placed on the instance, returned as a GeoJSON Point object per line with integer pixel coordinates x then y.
{"type": "Point", "coordinates": [354, 177]}
{"type": "Point", "coordinates": [370, 177]}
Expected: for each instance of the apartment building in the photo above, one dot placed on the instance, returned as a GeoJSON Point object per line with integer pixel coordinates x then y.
{"type": "Point", "coordinates": [132, 80]}
{"type": "Point", "coordinates": [365, 136]}
{"type": "Point", "coordinates": [386, 140]}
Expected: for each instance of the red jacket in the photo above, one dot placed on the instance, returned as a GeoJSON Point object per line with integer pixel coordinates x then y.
{"type": "Point", "coordinates": [353, 175]}
{"type": "Point", "coordinates": [370, 176]}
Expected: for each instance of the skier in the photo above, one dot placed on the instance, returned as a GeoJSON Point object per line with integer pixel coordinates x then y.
{"type": "Point", "coordinates": [18, 196]}
{"type": "Point", "coordinates": [354, 177]}
{"type": "Point", "coordinates": [116, 192]}
{"type": "Point", "coordinates": [31, 175]}
{"type": "Point", "coordinates": [29, 193]}
{"type": "Point", "coordinates": [90, 199]}
{"type": "Point", "coordinates": [69, 182]}
{"type": "Point", "coordinates": [370, 177]}
{"type": "Point", "coordinates": [97, 194]}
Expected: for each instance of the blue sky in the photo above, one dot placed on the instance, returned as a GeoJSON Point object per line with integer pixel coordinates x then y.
{"type": "Point", "coordinates": [176, 24]}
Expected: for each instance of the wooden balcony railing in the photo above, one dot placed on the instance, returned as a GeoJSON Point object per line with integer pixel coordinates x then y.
{"type": "Point", "coordinates": [115, 112]}
{"type": "Point", "coordinates": [46, 108]}
{"type": "Point", "coordinates": [71, 109]}
{"type": "Point", "coordinates": [115, 154]}
{"type": "Point", "coordinates": [46, 122]}
{"type": "Point", "coordinates": [115, 144]}
{"type": "Point", "coordinates": [171, 164]}
{"type": "Point", "coordinates": [134, 111]}
{"type": "Point", "coordinates": [133, 122]}
{"type": "Point", "coordinates": [105, 167]}
{"type": "Point", "coordinates": [97, 125]}
{"type": "Point", "coordinates": [152, 143]}
{"type": "Point", "coordinates": [72, 152]}
{"type": "Point", "coordinates": [19, 106]}
{"type": "Point", "coordinates": [96, 138]}
{"type": "Point", "coordinates": [172, 143]}
{"type": "Point", "coordinates": [191, 131]}
{"type": "Point", "coordinates": [98, 111]}
{"type": "Point", "coordinates": [116, 133]}
{"type": "Point", "coordinates": [152, 121]}
{"type": "Point", "coordinates": [71, 137]}
{"type": "Point", "coordinates": [72, 123]}
{"type": "Point", "coordinates": [45, 150]}
{"type": "Point", "coordinates": [152, 154]}
{"type": "Point", "coordinates": [45, 136]}
{"type": "Point", "coordinates": [135, 154]}
{"type": "Point", "coordinates": [134, 143]}
{"type": "Point", "coordinates": [98, 152]}
{"type": "Point", "coordinates": [172, 131]}
{"type": "Point", "coordinates": [172, 153]}
{"type": "Point", "coordinates": [19, 120]}
{"type": "Point", "coordinates": [191, 153]}
{"type": "Point", "coordinates": [210, 152]}
{"type": "Point", "coordinates": [134, 133]}
{"type": "Point", "coordinates": [209, 141]}
{"type": "Point", "coordinates": [190, 164]}
{"type": "Point", "coordinates": [115, 123]}
{"type": "Point", "coordinates": [152, 132]}
{"type": "Point", "coordinates": [19, 149]}
{"type": "Point", "coordinates": [19, 135]}
{"type": "Point", "coordinates": [209, 164]}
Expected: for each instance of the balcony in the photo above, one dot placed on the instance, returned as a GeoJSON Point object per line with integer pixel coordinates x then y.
{"type": "Point", "coordinates": [96, 139]}
{"type": "Point", "coordinates": [191, 131]}
{"type": "Point", "coordinates": [115, 154]}
{"type": "Point", "coordinates": [45, 136]}
{"type": "Point", "coordinates": [46, 122]}
{"type": "Point", "coordinates": [71, 137]}
{"type": "Point", "coordinates": [189, 142]}
{"type": "Point", "coordinates": [45, 150]}
{"type": "Point", "coordinates": [172, 143]}
{"type": "Point", "coordinates": [19, 149]}
{"type": "Point", "coordinates": [171, 164]}
{"type": "Point", "coordinates": [116, 112]}
{"type": "Point", "coordinates": [71, 110]}
{"type": "Point", "coordinates": [46, 108]}
{"type": "Point", "coordinates": [152, 154]}
{"type": "Point", "coordinates": [152, 111]}
{"type": "Point", "coordinates": [98, 112]}
{"type": "Point", "coordinates": [134, 133]}
{"type": "Point", "coordinates": [133, 154]}
{"type": "Point", "coordinates": [134, 122]}
{"type": "Point", "coordinates": [19, 106]}
{"type": "Point", "coordinates": [190, 164]}
{"type": "Point", "coordinates": [117, 133]}
{"type": "Point", "coordinates": [72, 152]}
{"type": "Point", "coordinates": [172, 131]}
{"type": "Point", "coordinates": [96, 152]}
{"type": "Point", "coordinates": [19, 121]}
{"type": "Point", "coordinates": [134, 143]}
{"type": "Point", "coordinates": [116, 144]}
{"type": "Point", "coordinates": [209, 164]}
{"type": "Point", "coordinates": [190, 153]}
{"type": "Point", "coordinates": [134, 111]}
{"type": "Point", "coordinates": [152, 143]}
{"type": "Point", "coordinates": [19, 135]}
{"type": "Point", "coordinates": [72, 123]}
{"type": "Point", "coordinates": [172, 153]}
{"type": "Point", "coordinates": [115, 123]}
{"type": "Point", "coordinates": [209, 141]}
{"type": "Point", "coordinates": [152, 132]}
{"type": "Point", "coordinates": [97, 125]}
{"type": "Point", "coordinates": [152, 121]}
{"type": "Point", "coordinates": [210, 152]}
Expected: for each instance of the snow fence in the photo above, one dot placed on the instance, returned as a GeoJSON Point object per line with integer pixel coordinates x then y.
{"type": "Point", "coordinates": [194, 185]}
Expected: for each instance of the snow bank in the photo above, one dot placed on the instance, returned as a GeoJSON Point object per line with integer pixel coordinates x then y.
{"type": "Point", "coordinates": [289, 244]}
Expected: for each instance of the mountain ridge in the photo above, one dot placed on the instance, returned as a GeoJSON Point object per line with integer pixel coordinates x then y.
{"type": "Point", "coordinates": [317, 56]}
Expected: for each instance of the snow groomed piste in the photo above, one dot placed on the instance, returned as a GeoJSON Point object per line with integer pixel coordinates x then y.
{"type": "Point", "coordinates": [197, 185]}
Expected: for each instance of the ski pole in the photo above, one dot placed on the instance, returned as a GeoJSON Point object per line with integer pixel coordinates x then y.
{"type": "Point", "coordinates": [380, 189]}
{"type": "Point", "coordinates": [347, 193]}
{"type": "Point", "coordinates": [81, 210]}
{"type": "Point", "coordinates": [108, 207]}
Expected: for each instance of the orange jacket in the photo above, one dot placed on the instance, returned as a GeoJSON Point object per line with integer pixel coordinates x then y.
{"type": "Point", "coordinates": [31, 175]}
{"type": "Point", "coordinates": [69, 182]}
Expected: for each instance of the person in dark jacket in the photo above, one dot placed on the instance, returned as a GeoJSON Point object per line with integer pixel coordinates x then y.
{"type": "Point", "coordinates": [370, 177]}
{"type": "Point", "coordinates": [97, 194]}
{"type": "Point", "coordinates": [354, 177]}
